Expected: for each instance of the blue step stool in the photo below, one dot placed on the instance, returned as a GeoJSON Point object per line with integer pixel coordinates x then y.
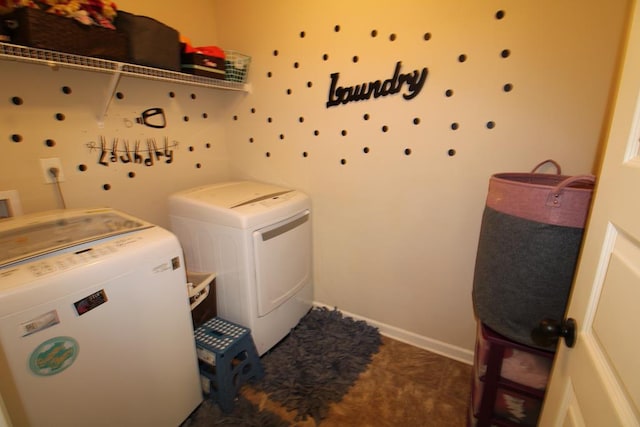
{"type": "Point", "coordinates": [228, 359]}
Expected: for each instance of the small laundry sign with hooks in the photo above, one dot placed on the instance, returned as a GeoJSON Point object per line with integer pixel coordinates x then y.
{"type": "Point", "coordinates": [148, 152]}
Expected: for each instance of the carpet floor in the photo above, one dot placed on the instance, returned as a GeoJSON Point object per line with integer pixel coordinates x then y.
{"type": "Point", "coordinates": [334, 371]}
{"type": "Point", "coordinates": [403, 386]}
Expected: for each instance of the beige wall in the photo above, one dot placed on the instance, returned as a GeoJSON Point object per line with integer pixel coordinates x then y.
{"type": "Point", "coordinates": [394, 234]}
{"type": "Point", "coordinates": [197, 143]}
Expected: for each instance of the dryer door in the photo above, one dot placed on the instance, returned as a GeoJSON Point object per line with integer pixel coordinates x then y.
{"type": "Point", "coordinates": [283, 260]}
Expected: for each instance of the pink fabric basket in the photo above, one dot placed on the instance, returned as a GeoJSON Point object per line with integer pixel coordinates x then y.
{"type": "Point", "coordinates": [547, 198]}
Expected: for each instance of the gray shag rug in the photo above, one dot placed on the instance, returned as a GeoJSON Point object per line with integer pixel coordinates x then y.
{"type": "Point", "coordinates": [311, 368]}
{"type": "Point", "coordinates": [317, 363]}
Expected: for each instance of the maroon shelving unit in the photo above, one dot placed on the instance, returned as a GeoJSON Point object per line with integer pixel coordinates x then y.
{"type": "Point", "coordinates": [500, 401]}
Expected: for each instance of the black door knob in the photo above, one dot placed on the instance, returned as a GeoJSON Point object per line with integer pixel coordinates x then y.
{"type": "Point", "coordinates": [547, 333]}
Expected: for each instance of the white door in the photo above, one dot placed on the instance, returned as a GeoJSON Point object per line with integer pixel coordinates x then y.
{"type": "Point", "coordinates": [597, 382]}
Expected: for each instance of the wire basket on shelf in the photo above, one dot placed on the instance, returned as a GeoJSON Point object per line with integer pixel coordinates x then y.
{"type": "Point", "coordinates": [236, 66]}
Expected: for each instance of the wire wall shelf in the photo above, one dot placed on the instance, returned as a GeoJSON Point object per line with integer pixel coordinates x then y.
{"type": "Point", "coordinates": [60, 59]}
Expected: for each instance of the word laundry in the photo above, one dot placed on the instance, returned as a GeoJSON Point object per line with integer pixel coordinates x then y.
{"type": "Point", "coordinates": [135, 154]}
{"type": "Point", "coordinates": [413, 82]}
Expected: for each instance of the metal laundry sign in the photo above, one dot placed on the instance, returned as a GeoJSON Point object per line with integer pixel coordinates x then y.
{"type": "Point", "coordinates": [411, 83]}
{"type": "Point", "coordinates": [140, 152]}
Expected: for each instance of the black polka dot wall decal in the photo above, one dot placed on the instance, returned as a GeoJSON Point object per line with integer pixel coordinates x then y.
{"type": "Point", "coordinates": [448, 93]}
{"type": "Point", "coordinates": [235, 117]}
{"type": "Point", "coordinates": [251, 140]}
{"type": "Point", "coordinates": [205, 115]}
{"type": "Point", "coordinates": [269, 119]}
{"type": "Point", "coordinates": [289, 91]}
{"type": "Point", "coordinates": [416, 121]}
{"type": "Point", "coordinates": [198, 165]}
{"type": "Point", "coordinates": [207, 145]}
{"type": "Point", "coordinates": [491, 124]}
{"type": "Point", "coordinates": [191, 148]}
{"type": "Point", "coordinates": [268, 154]}
{"type": "Point", "coordinates": [253, 111]}
{"type": "Point", "coordinates": [305, 154]}
{"type": "Point", "coordinates": [119, 95]}
{"type": "Point", "coordinates": [505, 53]}
{"type": "Point", "coordinates": [131, 174]}
{"type": "Point", "coordinates": [454, 126]}
{"type": "Point", "coordinates": [316, 132]}
{"type": "Point", "coordinates": [281, 136]}
{"type": "Point", "coordinates": [269, 74]}
{"type": "Point", "coordinates": [462, 58]}
{"type": "Point", "coordinates": [296, 65]}
{"type": "Point", "coordinates": [16, 100]}
{"type": "Point", "coordinates": [172, 94]}
{"type": "Point", "coordinates": [50, 143]}
{"type": "Point", "coordinates": [325, 57]}
{"type": "Point", "coordinates": [500, 14]}
{"type": "Point", "coordinates": [407, 151]}
{"type": "Point", "coordinates": [374, 33]}
{"type": "Point", "coordinates": [302, 34]}
{"type": "Point", "coordinates": [193, 96]}
{"type": "Point", "coordinates": [355, 59]}
{"type": "Point", "coordinates": [309, 84]}
{"type": "Point", "coordinates": [343, 161]}
{"type": "Point", "coordinates": [301, 119]}
{"type": "Point", "coordinates": [185, 118]}
{"type": "Point", "coordinates": [366, 116]}
{"type": "Point", "coordinates": [66, 90]}
{"type": "Point", "coordinates": [392, 37]}
{"type": "Point", "coordinates": [385, 128]}
{"type": "Point", "coordinates": [336, 28]}
{"type": "Point", "coordinates": [427, 36]}
{"type": "Point", "coordinates": [16, 138]}
{"type": "Point", "coordinates": [60, 117]}
{"type": "Point", "coordinates": [82, 167]}
{"type": "Point", "coordinates": [275, 53]}
{"type": "Point", "coordinates": [343, 132]}
{"type": "Point", "coordinates": [106, 187]}
{"type": "Point", "coordinates": [365, 150]}
{"type": "Point", "coordinates": [451, 152]}
{"type": "Point", "coordinates": [507, 87]}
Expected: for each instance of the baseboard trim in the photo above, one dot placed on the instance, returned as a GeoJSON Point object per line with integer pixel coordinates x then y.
{"type": "Point", "coordinates": [429, 344]}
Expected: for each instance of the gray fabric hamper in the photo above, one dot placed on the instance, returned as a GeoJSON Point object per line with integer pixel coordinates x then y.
{"type": "Point", "coordinates": [530, 237]}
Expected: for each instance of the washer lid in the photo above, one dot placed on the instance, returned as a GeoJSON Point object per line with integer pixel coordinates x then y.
{"type": "Point", "coordinates": [231, 195]}
{"type": "Point", "coordinates": [32, 235]}
{"type": "Point", "coordinates": [239, 204]}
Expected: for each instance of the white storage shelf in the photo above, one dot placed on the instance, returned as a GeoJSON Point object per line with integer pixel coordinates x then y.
{"type": "Point", "coordinates": [60, 59]}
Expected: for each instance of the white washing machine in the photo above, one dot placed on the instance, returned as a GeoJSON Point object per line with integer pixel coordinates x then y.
{"type": "Point", "coordinates": [256, 238]}
{"type": "Point", "coordinates": [95, 326]}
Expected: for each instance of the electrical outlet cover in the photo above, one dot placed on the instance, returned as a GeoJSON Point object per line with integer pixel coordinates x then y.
{"type": "Point", "coordinates": [51, 162]}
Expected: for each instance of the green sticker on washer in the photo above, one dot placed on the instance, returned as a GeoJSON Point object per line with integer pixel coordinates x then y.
{"type": "Point", "coordinates": [53, 356]}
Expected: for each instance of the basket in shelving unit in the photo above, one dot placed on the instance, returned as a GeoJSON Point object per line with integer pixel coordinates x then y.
{"type": "Point", "coordinates": [509, 381]}
{"type": "Point", "coordinates": [236, 66]}
{"type": "Point", "coordinates": [36, 28]}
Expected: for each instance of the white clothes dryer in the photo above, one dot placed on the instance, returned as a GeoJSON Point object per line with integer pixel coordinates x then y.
{"type": "Point", "coordinates": [256, 238]}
